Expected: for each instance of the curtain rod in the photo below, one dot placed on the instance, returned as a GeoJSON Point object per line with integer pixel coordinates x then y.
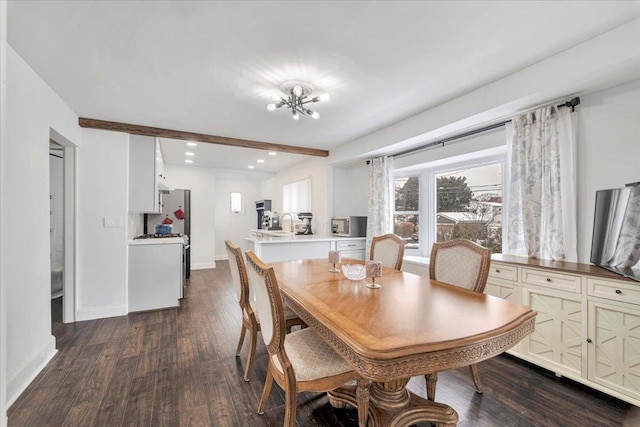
{"type": "Point", "coordinates": [571, 103]}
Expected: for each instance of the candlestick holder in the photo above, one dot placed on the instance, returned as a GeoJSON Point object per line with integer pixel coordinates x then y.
{"type": "Point", "coordinates": [374, 270]}
{"type": "Point", "coordinates": [334, 258]}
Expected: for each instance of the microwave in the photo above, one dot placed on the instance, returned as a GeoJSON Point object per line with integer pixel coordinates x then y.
{"type": "Point", "coordinates": [349, 226]}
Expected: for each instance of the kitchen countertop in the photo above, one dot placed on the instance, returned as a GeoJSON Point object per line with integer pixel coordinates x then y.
{"type": "Point", "coordinates": [269, 236]}
{"type": "Point", "coordinates": [160, 241]}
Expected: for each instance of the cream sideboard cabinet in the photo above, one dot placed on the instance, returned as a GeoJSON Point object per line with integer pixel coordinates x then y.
{"type": "Point", "coordinates": [588, 322]}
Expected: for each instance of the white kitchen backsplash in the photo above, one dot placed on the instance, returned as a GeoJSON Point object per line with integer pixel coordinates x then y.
{"type": "Point", "coordinates": [135, 225]}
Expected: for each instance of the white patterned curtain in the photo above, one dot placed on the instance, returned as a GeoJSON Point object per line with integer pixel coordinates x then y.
{"type": "Point", "coordinates": [542, 194]}
{"type": "Point", "coordinates": [380, 213]}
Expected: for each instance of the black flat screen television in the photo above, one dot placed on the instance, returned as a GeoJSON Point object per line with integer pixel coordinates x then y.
{"type": "Point", "coordinates": [616, 231]}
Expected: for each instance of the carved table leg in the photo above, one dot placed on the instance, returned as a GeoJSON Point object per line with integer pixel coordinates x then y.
{"type": "Point", "coordinates": [391, 404]}
{"type": "Point", "coordinates": [363, 396]}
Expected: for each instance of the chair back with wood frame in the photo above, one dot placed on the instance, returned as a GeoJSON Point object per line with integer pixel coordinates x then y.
{"type": "Point", "coordinates": [388, 249]}
{"type": "Point", "coordinates": [298, 361]}
{"type": "Point", "coordinates": [246, 299]}
{"type": "Point", "coordinates": [462, 263]}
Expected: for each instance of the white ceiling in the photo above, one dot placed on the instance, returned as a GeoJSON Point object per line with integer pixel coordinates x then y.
{"type": "Point", "coordinates": [210, 67]}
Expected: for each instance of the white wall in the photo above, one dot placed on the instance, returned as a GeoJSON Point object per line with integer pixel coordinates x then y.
{"type": "Point", "coordinates": [102, 252]}
{"type": "Point", "coordinates": [350, 190]}
{"type": "Point", "coordinates": [321, 190]}
{"type": "Point", "coordinates": [201, 182]}
{"type": "Point", "coordinates": [32, 110]}
{"type": "Point", "coordinates": [3, 180]}
{"type": "Point", "coordinates": [230, 226]}
{"type": "Point", "coordinates": [608, 150]}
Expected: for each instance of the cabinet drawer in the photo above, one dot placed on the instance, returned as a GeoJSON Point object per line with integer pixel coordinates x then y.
{"type": "Point", "coordinates": [615, 291]}
{"type": "Point", "coordinates": [565, 282]}
{"type": "Point", "coordinates": [504, 272]}
{"type": "Point", "coordinates": [350, 245]}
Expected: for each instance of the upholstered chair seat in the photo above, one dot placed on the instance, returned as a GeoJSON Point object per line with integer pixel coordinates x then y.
{"type": "Point", "coordinates": [310, 357]}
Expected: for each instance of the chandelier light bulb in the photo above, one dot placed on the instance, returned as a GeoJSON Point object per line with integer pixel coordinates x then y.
{"type": "Point", "coordinates": [271, 107]}
{"type": "Point", "coordinates": [315, 115]}
{"type": "Point", "coordinates": [297, 90]}
{"type": "Point", "coordinates": [324, 97]}
{"type": "Point", "coordinates": [296, 116]}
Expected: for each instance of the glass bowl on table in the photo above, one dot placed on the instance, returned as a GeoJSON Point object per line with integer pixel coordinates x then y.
{"type": "Point", "coordinates": [354, 271]}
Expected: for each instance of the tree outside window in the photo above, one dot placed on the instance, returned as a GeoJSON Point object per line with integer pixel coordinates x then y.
{"type": "Point", "coordinates": [407, 210]}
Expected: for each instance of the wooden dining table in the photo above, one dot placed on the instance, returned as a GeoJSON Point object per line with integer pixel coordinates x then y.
{"type": "Point", "coordinates": [410, 326]}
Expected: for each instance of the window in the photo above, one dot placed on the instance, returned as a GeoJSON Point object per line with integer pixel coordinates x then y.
{"type": "Point", "coordinates": [296, 196]}
{"type": "Point", "coordinates": [469, 205]}
{"type": "Point", "coordinates": [406, 215]}
{"type": "Point", "coordinates": [448, 201]}
{"type": "Point", "coordinates": [236, 203]}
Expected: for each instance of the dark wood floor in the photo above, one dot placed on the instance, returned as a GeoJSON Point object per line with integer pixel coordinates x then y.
{"type": "Point", "coordinates": [177, 367]}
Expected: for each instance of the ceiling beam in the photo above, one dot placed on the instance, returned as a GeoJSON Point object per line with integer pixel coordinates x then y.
{"type": "Point", "coordinates": [200, 137]}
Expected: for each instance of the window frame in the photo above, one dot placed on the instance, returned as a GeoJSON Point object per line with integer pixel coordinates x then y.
{"type": "Point", "coordinates": [288, 205]}
{"type": "Point", "coordinates": [241, 211]}
{"type": "Point", "coordinates": [428, 198]}
{"type": "Point", "coordinates": [420, 175]}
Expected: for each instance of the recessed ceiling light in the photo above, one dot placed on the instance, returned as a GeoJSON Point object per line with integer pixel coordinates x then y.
{"type": "Point", "coordinates": [251, 167]}
{"type": "Point", "coordinates": [260, 161]}
{"type": "Point", "coordinates": [189, 153]}
{"type": "Point", "coordinates": [272, 153]}
{"type": "Point", "coordinates": [188, 161]}
{"type": "Point", "coordinates": [192, 144]}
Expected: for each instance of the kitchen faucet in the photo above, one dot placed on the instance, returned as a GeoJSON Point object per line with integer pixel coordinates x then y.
{"type": "Point", "coordinates": [290, 218]}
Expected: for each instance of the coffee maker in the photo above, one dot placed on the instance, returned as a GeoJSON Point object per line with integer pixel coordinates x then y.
{"type": "Point", "coordinates": [271, 221]}
{"type": "Point", "coordinates": [305, 226]}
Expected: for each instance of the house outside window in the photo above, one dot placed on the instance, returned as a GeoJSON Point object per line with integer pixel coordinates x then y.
{"type": "Point", "coordinates": [469, 205]}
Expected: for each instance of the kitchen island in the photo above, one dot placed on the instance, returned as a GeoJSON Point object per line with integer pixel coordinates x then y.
{"type": "Point", "coordinates": [273, 246]}
{"type": "Point", "coordinates": [155, 273]}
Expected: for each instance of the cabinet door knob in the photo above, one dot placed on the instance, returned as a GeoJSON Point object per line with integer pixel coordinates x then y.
{"type": "Point", "coordinates": [589, 340]}
{"type": "Point", "coordinates": [497, 270]}
{"type": "Point", "coordinates": [618, 291]}
{"type": "Point", "coordinates": [548, 279]}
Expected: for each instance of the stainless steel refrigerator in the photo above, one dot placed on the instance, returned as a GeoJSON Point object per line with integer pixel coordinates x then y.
{"type": "Point", "coordinates": [176, 204]}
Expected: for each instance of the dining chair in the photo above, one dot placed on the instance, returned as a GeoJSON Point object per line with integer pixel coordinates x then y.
{"type": "Point", "coordinates": [462, 263]}
{"type": "Point", "coordinates": [388, 249]}
{"type": "Point", "coordinates": [246, 299]}
{"type": "Point", "coordinates": [301, 360]}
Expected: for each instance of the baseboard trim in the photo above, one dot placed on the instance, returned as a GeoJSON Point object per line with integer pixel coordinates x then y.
{"type": "Point", "coordinates": [222, 257]}
{"type": "Point", "coordinates": [101, 313]}
{"type": "Point", "coordinates": [18, 382]}
{"type": "Point", "coordinates": [203, 266]}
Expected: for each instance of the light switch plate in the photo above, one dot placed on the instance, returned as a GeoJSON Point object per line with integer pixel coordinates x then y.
{"type": "Point", "coordinates": [112, 221]}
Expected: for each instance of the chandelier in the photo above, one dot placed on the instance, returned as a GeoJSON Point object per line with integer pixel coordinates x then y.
{"type": "Point", "coordinates": [298, 95]}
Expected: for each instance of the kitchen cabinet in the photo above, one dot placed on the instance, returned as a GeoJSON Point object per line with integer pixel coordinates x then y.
{"type": "Point", "coordinates": [146, 174]}
{"type": "Point", "coordinates": [351, 248]}
{"type": "Point", "coordinates": [588, 322]}
{"type": "Point", "coordinates": [155, 273]}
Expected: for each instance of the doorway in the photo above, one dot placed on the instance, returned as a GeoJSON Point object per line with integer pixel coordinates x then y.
{"type": "Point", "coordinates": [62, 174]}
{"type": "Point", "coordinates": [56, 227]}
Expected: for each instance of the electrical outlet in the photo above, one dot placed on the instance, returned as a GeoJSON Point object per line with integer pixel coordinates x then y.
{"type": "Point", "coordinates": [112, 221]}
